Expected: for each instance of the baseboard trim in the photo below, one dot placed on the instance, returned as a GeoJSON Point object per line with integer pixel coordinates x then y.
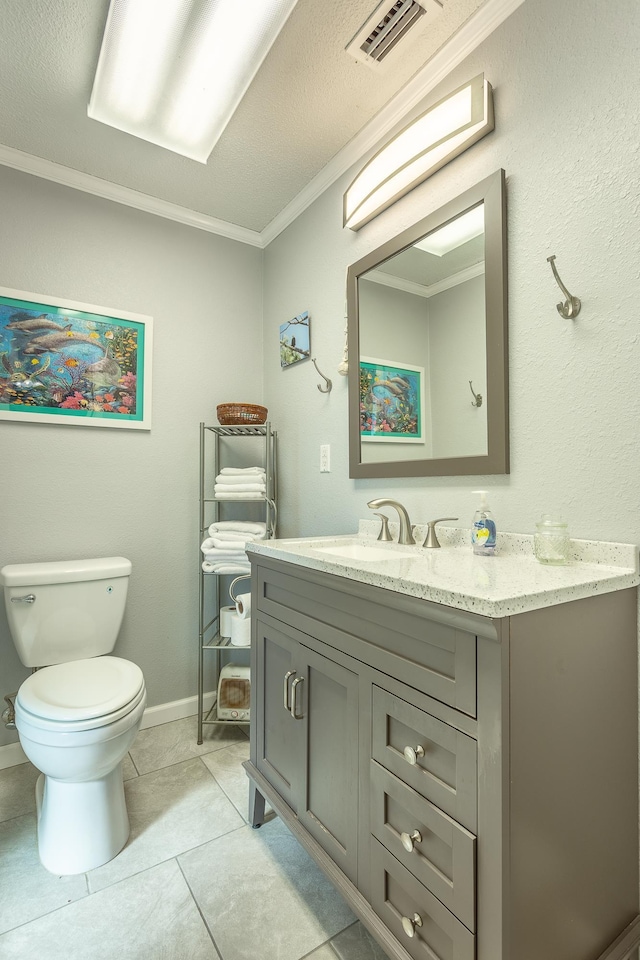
{"type": "Point", "coordinates": [12, 754]}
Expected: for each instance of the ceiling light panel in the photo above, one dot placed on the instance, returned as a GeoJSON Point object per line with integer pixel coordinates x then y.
{"type": "Point", "coordinates": [174, 72]}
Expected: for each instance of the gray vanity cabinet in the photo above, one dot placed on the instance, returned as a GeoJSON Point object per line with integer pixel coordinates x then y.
{"type": "Point", "coordinates": [468, 784]}
{"type": "Point", "coordinates": [307, 706]}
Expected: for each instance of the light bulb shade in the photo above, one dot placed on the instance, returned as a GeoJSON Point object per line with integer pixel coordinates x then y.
{"type": "Point", "coordinates": [173, 72]}
{"type": "Point", "coordinates": [446, 130]}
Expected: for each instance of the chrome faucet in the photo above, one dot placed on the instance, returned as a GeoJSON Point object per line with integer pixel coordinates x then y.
{"type": "Point", "coordinates": [405, 535]}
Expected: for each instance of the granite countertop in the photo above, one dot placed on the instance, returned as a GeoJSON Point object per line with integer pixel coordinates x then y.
{"type": "Point", "coordinates": [510, 582]}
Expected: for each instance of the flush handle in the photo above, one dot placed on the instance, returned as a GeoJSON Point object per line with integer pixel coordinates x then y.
{"type": "Point", "coordinates": [30, 598]}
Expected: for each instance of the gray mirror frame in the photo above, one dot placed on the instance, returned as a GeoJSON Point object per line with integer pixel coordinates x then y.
{"type": "Point", "coordinates": [492, 192]}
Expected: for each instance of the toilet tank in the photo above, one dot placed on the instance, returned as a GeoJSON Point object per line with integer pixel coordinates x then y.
{"type": "Point", "coordinates": [77, 609]}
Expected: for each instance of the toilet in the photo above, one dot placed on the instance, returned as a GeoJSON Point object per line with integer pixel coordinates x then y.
{"type": "Point", "coordinates": [79, 712]}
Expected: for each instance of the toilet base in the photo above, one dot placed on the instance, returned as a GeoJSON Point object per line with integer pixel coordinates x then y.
{"type": "Point", "coordinates": [80, 825]}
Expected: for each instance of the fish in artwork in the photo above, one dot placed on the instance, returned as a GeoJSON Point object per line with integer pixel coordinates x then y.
{"type": "Point", "coordinates": [28, 324]}
{"type": "Point", "coordinates": [58, 341]}
{"type": "Point", "coordinates": [103, 373]}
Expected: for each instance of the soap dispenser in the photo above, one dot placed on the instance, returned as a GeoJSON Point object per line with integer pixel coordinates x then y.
{"type": "Point", "coordinates": [483, 531]}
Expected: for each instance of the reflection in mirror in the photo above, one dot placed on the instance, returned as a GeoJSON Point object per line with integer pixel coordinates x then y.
{"type": "Point", "coordinates": [428, 314]}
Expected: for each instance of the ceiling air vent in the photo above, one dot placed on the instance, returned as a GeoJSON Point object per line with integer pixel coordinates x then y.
{"type": "Point", "coordinates": [387, 25]}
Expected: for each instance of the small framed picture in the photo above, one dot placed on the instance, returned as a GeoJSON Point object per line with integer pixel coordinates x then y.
{"type": "Point", "coordinates": [295, 340]}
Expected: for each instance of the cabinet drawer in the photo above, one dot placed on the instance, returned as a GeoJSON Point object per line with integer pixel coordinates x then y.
{"type": "Point", "coordinates": [442, 856]}
{"type": "Point", "coordinates": [397, 895]}
{"type": "Point", "coordinates": [433, 650]}
{"type": "Point", "coordinates": [445, 767]}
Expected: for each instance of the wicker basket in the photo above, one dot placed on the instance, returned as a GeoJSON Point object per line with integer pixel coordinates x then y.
{"type": "Point", "coordinates": [235, 414]}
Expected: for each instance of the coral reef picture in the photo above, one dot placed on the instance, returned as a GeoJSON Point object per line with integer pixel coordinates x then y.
{"type": "Point", "coordinates": [391, 401]}
{"type": "Point", "coordinates": [66, 362]}
{"type": "Point", "coordinates": [295, 342]}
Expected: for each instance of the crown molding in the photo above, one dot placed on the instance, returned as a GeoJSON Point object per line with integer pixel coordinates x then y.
{"type": "Point", "coordinates": [471, 35]}
{"type": "Point", "coordinates": [425, 290]}
{"type": "Point", "coordinates": [58, 173]}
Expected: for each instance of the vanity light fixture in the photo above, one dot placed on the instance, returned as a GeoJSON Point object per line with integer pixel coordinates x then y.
{"type": "Point", "coordinates": [446, 130]}
{"type": "Point", "coordinates": [174, 72]}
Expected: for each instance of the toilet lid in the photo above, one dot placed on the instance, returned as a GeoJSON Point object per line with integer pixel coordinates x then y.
{"type": "Point", "coordinates": [81, 689]}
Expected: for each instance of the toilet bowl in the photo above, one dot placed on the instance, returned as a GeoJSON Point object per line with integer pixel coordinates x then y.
{"type": "Point", "coordinates": [79, 747]}
{"type": "Point", "coordinates": [79, 713]}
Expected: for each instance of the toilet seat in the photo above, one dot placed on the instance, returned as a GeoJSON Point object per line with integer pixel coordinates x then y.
{"type": "Point", "coordinates": [81, 694]}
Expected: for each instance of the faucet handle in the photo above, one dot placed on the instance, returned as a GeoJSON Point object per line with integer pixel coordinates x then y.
{"type": "Point", "coordinates": [384, 529]}
{"type": "Point", "coordinates": [431, 539]}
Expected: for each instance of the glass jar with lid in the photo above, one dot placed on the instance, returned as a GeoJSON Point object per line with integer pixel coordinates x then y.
{"type": "Point", "coordinates": [551, 540]}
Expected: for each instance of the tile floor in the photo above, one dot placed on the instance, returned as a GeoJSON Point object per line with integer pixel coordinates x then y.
{"type": "Point", "coordinates": [194, 882]}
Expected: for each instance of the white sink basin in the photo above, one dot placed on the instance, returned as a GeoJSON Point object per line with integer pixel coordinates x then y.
{"type": "Point", "coordinates": [362, 551]}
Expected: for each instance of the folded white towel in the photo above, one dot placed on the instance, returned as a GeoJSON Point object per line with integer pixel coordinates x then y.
{"type": "Point", "coordinates": [224, 544]}
{"type": "Point", "coordinates": [249, 495]}
{"type": "Point", "coordinates": [231, 536]}
{"type": "Point", "coordinates": [244, 528]}
{"type": "Point", "coordinates": [209, 545]}
{"type": "Point", "coordinates": [232, 480]}
{"type": "Point", "coordinates": [225, 567]}
{"type": "Point", "coordinates": [241, 471]}
{"type": "Point", "coordinates": [239, 488]}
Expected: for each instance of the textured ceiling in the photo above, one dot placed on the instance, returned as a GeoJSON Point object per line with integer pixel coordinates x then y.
{"type": "Point", "coordinates": [308, 100]}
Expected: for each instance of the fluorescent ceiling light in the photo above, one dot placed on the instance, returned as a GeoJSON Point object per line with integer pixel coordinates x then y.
{"type": "Point", "coordinates": [431, 141]}
{"type": "Point", "coordinates": [173, 72]}
{"type": "Point", "coordinates": [455, 233]}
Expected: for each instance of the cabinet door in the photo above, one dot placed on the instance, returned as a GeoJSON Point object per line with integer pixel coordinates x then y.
{"type": "Point", "coordinates": [327, 803]}
{"type": "Point", "coordinates": [279, 736]}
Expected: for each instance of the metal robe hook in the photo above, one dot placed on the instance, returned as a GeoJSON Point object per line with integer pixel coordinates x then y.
{"type": "Point", "coordinates": [477, 397]}
{"type": "Point", "coordinates": [571, 307]}
{"type": "Point", "coordinates": [328, 382]}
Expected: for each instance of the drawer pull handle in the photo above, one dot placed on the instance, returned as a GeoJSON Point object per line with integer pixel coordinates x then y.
{"type": "Point", "coordinates": [409, 839]}
{"type": "Point", "coordinates": [294, 699]}
{"type": "Point", "coordinates": [411, 754]}
{"type": "Point", "coordinates": [287, 678]}
{"type": "Point", "coordinates": [409, 924]}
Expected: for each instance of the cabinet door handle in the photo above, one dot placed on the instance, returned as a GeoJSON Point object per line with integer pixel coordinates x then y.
{"type": "Point", "coordinates": [287, 678]}
{"type": "Point", "coordinates": [409, 924]}
{"type": "Point", "coordinates": [409, 839]}
{"type": "Point", "coordinates": [411, 754]}
{"type": "Point", "coordinates": [294, 698]}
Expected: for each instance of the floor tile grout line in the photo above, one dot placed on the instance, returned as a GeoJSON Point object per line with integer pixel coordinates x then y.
{"type": "Point", "coordinates": [195, 756]}
{"type": "Point", "coordinates": [133, 763]}
{"type": "Point", "coordinates": [166, 860]}
{"type": "Point", "coordinates": [202, 916]}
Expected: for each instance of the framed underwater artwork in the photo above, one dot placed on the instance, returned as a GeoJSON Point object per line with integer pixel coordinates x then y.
{"type": "Point", "coordinates": [73, 363]}
{"type": "Point", "coordinates": [295, 340]}
{"type": "Point", "coordinates": [391, 401]}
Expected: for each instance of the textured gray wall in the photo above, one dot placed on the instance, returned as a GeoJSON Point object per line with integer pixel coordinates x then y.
{"type": "Point", "coordinates": [567, 136]}
{"type": "Point", "coordinates": [73, 491]}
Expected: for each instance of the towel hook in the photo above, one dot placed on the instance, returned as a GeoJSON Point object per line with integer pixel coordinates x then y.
{"type": "Point", "coordinates": [329, 385]}
{"type": "Point", "coordinates": [571, 307]}
{"type": "Point", "coordinates": [477, 397]}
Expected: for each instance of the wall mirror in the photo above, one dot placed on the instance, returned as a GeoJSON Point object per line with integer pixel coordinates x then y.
{"type": "Point", "coordinates": [427, 314]}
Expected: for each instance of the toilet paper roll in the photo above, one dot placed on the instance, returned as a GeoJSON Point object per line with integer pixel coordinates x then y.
{"type": "Point", "coordinates": [243, 605]}
{"type": "Point", "coordinates": [240, 631]}
{"type": "Point", "coordinates": [225, 620]}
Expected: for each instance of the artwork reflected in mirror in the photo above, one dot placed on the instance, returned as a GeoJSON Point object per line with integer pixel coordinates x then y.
{"type": "Point", "coordinates": [432, 303]}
